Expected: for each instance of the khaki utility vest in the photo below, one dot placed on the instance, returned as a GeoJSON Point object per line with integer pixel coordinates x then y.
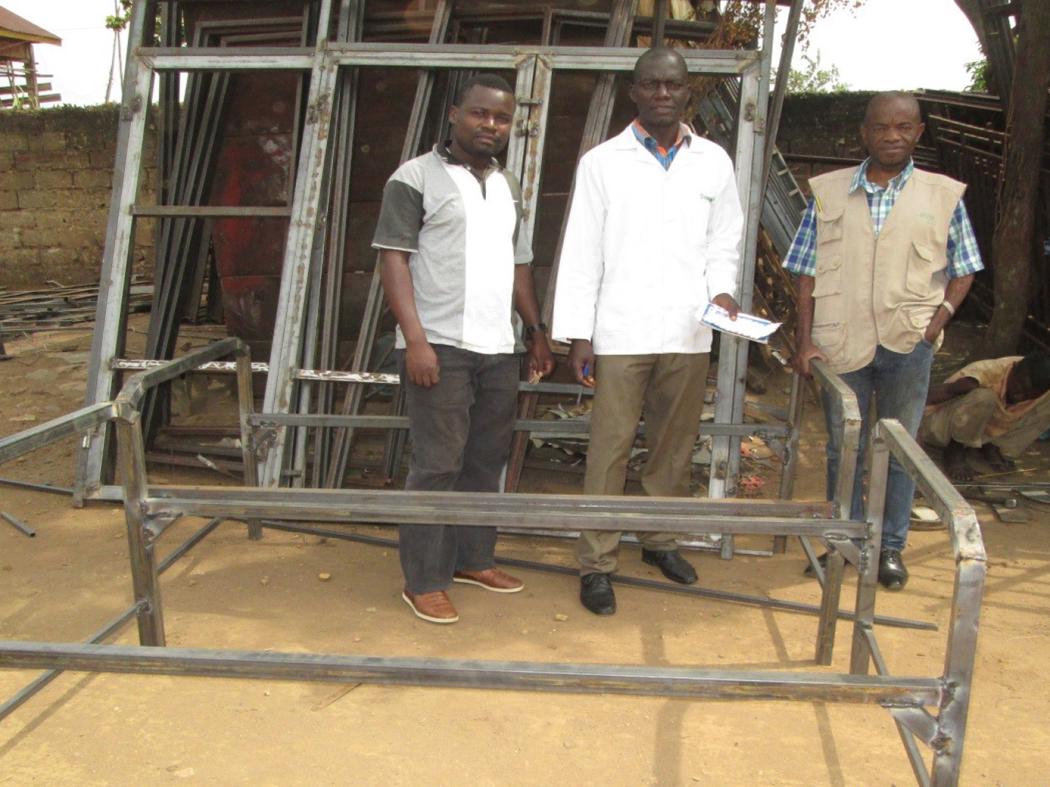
{"type": "Point", "coordinates": [872, 291]}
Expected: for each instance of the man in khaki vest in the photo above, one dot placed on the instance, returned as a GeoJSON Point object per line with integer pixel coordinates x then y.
{"type": "Point", "coordinates": [885, 254]}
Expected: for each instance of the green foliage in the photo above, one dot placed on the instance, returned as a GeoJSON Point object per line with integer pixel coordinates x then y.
{"type": "Point", "coordinates": [814, 79]}
{"type": "Point", "coordinates": [120, 20]}
{"type": "Point", "coordinates": [978, 72]}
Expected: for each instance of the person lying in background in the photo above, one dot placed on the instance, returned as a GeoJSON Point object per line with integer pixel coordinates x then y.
{"type": "Point", "coordinates": [996, 408]}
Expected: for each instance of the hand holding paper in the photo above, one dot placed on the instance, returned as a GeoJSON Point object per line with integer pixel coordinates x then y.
{"type": "Point", "coordinates": [746, 326]}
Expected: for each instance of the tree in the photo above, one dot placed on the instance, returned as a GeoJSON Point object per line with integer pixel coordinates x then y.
{"type": "Point", "coordinates": [1013, 242]}
{"type": "Point", "coordinates": [814, 79]}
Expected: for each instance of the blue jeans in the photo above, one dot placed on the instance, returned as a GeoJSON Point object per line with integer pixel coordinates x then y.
{"type": "Point", "coordinates": [899, 382]}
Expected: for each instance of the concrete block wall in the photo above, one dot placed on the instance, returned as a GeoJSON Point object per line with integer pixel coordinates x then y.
{"type": "Point", "coordinates": [56, 174]}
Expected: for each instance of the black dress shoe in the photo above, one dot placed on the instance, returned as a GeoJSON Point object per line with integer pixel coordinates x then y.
{"type": "Point", "coordinates": [892, 573]}
{"type": "Point", "coordinates": [596, 594]}
{"type": "Point", "coordinates": [672, 564]}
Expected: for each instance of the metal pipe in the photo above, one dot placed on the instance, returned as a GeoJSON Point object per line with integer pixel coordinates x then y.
{"type": "Point", "coordinates": [58, 490]}
{"type": "Point", "coordinates": [18, 524]}
{"type": "Point", "coordinates": [583, 678]}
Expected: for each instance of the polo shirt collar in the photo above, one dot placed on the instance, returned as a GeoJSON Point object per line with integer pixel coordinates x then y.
{"type": "Point", "coordinates": [443, 151]}
{"type": "Point", "coordinates": [860, 178]}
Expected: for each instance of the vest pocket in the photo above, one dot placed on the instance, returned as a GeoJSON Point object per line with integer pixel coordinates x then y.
{"type": "Point", "coordinates": [828, 276]}
{"type": "Point", "coordinates": [922, 264]}
{"type": "Point", "coordinates": [829, 226]}
{"type": "Point", "coordinates": [829, 337]}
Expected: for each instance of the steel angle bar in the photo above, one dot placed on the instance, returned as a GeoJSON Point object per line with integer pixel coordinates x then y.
{"type": "Point", "coordinates": [968, 590]}
{"type": "Point", "coordinates": [350, 28]}
{"type": "Point", "coordinates": [108, 630]}
{"type": "Point", "coordinates": [246, 58]}
{"type": "Point", "coordinates": [108, 339]}
{"type": "Point", "coordinates": [587, 678]}
{"type": "Point", "coordinates": [812, 513]}
{"type": "Point", "coordinates": [562, 58]}
{"type": "Point", "coordinates": [303, 226]}
{"type": "Point", "coordinates": [85, 419]}
{"type": "Point", "coordinates": [596, 126]}
{"type": "Point", "coordinates": [135, 388]}
{"type": "Point", "coordinates": [52, 488]}
{"type": "Point", "coordinates": [964, 528]}
{"type": "Point", "coordinates": [842, 396]}
{"type": "Point", "coordinates": [359, 506]}
{"type": "Point", "coordinates": [210, 211]}
{"type": "Point", "coordinates": [366, 336]}
{"type": "Point", "coordinates": [733, 352]}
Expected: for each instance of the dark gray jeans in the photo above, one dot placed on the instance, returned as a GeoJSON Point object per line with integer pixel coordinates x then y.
{"type": "Point", "coordinates": [461, 430]}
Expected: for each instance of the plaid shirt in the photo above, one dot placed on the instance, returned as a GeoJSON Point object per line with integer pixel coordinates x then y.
{"type": "Point", "coordinates": [665, 157]}
{"type": "Point", "coordinates": [964, 257]}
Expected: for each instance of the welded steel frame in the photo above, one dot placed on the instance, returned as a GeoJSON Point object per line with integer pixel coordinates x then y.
{"type": "Point", "coordinates": [150, 509]}
{"type": "Point", "coordinates": [323, 62]}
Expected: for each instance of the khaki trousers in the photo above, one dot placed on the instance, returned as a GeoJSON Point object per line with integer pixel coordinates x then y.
{"type": "Point", "coordinates": [965, 419]}
{"type": "Point", "coordinates": [668, 388]}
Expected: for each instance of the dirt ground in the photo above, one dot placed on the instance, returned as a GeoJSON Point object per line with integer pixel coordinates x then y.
{"type": "Point", "coordinates": [85, 729]}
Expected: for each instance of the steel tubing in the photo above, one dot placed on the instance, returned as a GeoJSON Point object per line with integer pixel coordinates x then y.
{"type": "Point", "coordinates": [464, 673]}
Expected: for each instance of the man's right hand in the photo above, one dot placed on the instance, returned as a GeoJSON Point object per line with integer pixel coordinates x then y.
{"type": "Point", "coordinates": [421, 364]}
{"type": "Point", "coordinates": [581, 361]}
{"type": "Point", "coordinates": [806, 353]}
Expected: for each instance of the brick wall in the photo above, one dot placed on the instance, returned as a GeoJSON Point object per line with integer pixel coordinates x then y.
{"type": "Point", "coordinates": [56, 170]}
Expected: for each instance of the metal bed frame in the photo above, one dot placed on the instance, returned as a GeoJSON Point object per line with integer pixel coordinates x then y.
{"type": "Point", "coordinates": [932, 710]}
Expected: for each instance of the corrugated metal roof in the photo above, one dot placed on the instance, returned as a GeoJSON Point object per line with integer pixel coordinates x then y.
{"type": "Point", "coordinates": [14, 26]}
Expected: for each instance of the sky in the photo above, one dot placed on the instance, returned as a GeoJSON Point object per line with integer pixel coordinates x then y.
{"type": "Point", "coordinates": [886, 45]}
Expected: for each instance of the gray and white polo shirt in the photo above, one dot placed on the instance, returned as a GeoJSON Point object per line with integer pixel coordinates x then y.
{"type": "Point", "coordinates": [464, 236]}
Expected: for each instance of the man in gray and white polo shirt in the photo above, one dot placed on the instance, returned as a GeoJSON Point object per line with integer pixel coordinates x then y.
{"type": "Point", "coordinates": [454, 260]}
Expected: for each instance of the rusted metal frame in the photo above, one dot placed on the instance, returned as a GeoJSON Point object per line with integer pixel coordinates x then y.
{"type": "Point", "coordinates": [399, 507]}
{"type": "Point", "coordinates": [912, 723]}
{"type": "Point", "coordinates": [970, 569]}
{"type": "Point", "coordinates": [350, 28]}
{"type": "Point", "coordinates": [246, 406]}
{"type": "Point", "coordinates": [868, 569]}
{"type": "Point", "coordinates": [303, 226]}
{"type": "Point", "coordinates": [108, 630]}
{"type": "Point", "coordinates": [141, 543]}
{"type": "Point", "coordinates": [114, 281]}
{"type": "Point", "coordinates": [595, 128]}
{"type": "Point", "coordinates": [584, 678]}
{"type": "Point", "coordinates": [86, 420]}
{"type": "Point", "coordinates": [790, 466]}
{"type": "Point", "coordinates": [732, 373]}
{"type": "Point", "coordinates": [297, 470]}
{"type": "Point", "coordinates": [143, 526]}
{"type": "Point", "coordinates": [787, 49]}
{"type": "Point", "coordinates": [831, 592]}
{"type": "Point", "coordinates": [451, 56]}
{"type": "Point", "coordinates": [168, 93]}
{"type": "Point", "coordinates": [179, 239]}
{"type": "Point", "coordinates": [733, 352]}
{"type": "Point", "coordinates": [209, 211]}
{"type": "Point", "coordinates": [851, 447]}
{"type": "Point", "coordinates": [342, 440]}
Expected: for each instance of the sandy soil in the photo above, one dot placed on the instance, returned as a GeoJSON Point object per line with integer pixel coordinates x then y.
{"type": "Point", "coordinates": [117, 729]}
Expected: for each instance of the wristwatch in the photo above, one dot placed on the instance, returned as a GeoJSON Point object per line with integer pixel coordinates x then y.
{"type": "Point", "coordinates": [531, 329]}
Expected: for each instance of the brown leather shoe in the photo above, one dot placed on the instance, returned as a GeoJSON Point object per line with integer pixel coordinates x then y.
{"type": "Point", "coordinates": [491, 579]}
{"type": "Point", "coordinates": [434, 607]}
